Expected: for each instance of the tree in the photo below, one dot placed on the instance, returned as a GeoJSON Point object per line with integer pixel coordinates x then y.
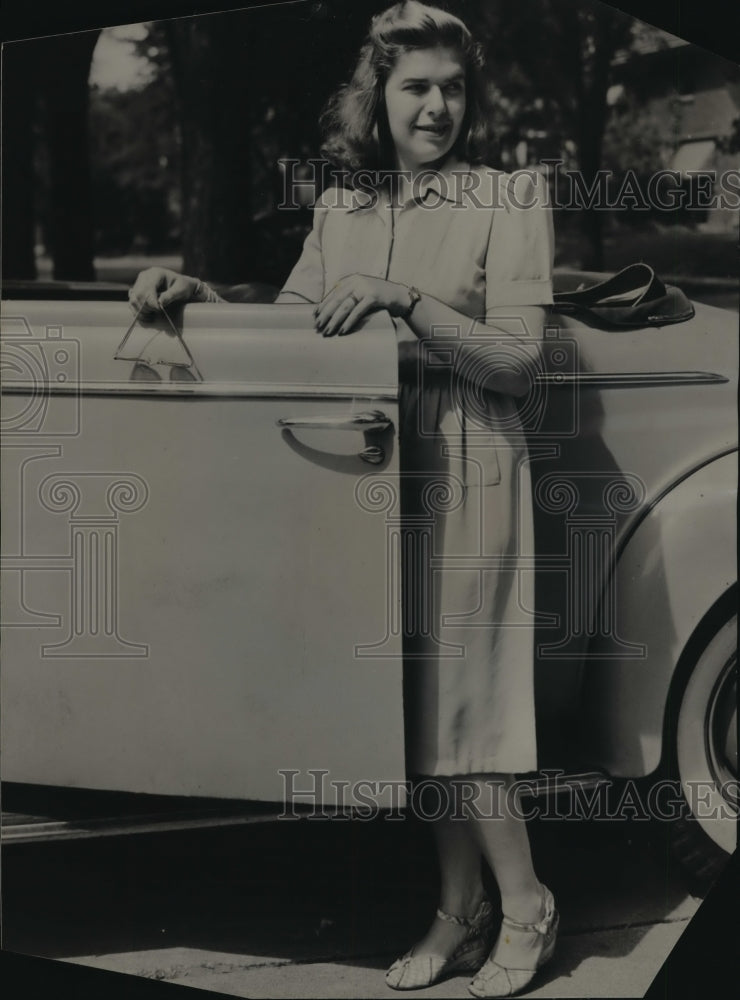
{"type": "Point", "coordinates": [63, 67]}
{"type": "Point", "coordinates": [553, 60]}
{"type": "Point", "coordinates": [19, 106]}
{"type": "Point", "coordinates": [633, 139]}
{"type": "Point", "coordinates": [45, 96]}
{"type": "Point", "coordinates": [135, 169]}
{"type": "Point", "coordinates": [207, 58]}
{"type": "Point", "coordinates": [250, 86]}
{"type": "Point", "coordinates": [592, 36]}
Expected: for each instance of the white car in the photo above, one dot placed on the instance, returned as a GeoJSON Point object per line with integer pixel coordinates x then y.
{"type": "Point", "coordinates": [201, 569]}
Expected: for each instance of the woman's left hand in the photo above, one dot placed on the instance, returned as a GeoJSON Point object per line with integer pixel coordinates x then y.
{"type": "Point", "coordinates": [354, 297]}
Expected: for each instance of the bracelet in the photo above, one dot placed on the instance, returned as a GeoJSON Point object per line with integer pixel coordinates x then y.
{"type": "Point", "coordinates": [204, 293]}
{"type": "Point", "coordinates": [414, 296]}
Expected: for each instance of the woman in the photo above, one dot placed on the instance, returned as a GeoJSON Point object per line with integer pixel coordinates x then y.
{"type": "Point", "coordinates": [461, 258]}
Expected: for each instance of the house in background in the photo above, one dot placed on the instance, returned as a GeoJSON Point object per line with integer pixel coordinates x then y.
{"type": "Point", "coordinates": [695, 94]}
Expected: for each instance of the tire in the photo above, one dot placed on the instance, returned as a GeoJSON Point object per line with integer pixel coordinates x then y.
{"type": "Point", "coordinates": [704, 761]}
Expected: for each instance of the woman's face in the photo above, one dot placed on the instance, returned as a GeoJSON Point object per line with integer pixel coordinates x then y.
{"type": "Point", "coordinates": [425, 103]}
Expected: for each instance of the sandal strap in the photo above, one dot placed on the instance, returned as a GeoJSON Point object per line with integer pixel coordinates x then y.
{"type": "Point", "coordinates": [542, 926]}
{"type": "Point", "coordinates": [481, 915]}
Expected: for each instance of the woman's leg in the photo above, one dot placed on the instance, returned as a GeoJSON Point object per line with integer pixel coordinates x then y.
{"type": "Point", "coordinates": [504, 842]}
{"type": "Point", "coordinates": [461, 885]}
{"type": "Point", "coordinates": [460, 857]}
{"type": "Point", "coordinates": [459, 944]}
{"type": "Point", "coordinates": [501, 833]}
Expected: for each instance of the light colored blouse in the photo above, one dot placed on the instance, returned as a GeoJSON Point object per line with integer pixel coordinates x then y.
{"type": "Point", "coordinates": [472, 237]}
{"type": "Point", "coordinates": [477, 239]}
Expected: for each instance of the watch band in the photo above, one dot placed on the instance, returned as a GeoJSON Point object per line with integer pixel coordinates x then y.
{"type": "Point", "coordinates": [414, 297]}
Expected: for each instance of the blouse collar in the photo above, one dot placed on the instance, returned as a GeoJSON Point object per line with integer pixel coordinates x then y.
{"type": "Point", "coordinates": [447, 183]}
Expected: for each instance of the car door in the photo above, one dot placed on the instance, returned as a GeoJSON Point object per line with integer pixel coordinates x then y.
{"type": "Point", "coordinates": [200, 558]}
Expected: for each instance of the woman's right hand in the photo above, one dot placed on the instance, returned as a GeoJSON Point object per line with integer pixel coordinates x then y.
{"type": "Point", "coordinates": [157, 287]}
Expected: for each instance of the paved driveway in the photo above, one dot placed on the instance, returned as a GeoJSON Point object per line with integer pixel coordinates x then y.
{"type": "Point", "coordinates": [320, 908]}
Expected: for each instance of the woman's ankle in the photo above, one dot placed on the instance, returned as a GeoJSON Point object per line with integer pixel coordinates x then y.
{"type": "Point", "coordinates": [525, 907]}
{"type": "Point", "coordinates": [465, 903]}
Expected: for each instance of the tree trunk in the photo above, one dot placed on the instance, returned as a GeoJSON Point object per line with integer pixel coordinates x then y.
{"type": "Point", "coordinates": [603, 32]}
{"type": "Point", "coordinates": [64, 68]}
{"type": "Point", "coordinates": [210, 64]}
{"type": "Point", "coordinates": [18, 109]}
{"type": "Point", "coordinates": [592, 218]}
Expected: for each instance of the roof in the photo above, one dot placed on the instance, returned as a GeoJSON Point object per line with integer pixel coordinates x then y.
{"type": "Point", "coordinates": [709, 113]}
{"type": "Point", "coordinates": [647, 41]}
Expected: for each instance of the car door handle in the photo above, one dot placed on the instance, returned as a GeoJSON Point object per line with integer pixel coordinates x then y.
{"type": "Point", "coordinates": [369, 420]}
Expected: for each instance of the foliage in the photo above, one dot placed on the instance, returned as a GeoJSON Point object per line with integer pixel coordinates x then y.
{"type": "Point", "coordinates": [633, 139]}
{"type": "Point", "coordinates": [191, 159]}
{"type": "Point", "coordinates": [135, 157]}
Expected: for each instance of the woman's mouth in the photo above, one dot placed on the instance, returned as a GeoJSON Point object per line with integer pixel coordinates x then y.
{"type": "Point", "coordinates": [437, 131]}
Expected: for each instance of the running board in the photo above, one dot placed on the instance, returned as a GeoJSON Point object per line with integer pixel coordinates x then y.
{"type": "Point", "coordinates": [26, 827]}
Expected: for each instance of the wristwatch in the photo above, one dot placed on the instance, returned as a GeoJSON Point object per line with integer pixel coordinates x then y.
{"type": "Point", "coordinates": [414, 296]}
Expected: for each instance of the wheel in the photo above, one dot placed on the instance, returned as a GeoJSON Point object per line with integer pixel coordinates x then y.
{"type": "Point", "coordinates": [705, 760]}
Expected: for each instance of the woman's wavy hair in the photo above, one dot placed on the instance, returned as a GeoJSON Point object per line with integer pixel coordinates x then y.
{"type": "Point", "coordinates": [355, 122]}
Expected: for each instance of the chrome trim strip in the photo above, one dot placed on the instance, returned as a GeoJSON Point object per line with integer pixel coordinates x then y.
{"type": "Point", "coordinates": [629, 380]}
{"type": "Point", "coordinates": [588, 380]}
{"type": "Point", "coordinates": [40, 830]}
{"type": "Point", "coordinates": [204, 389]}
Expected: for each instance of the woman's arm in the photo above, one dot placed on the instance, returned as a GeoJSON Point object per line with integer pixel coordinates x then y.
{"type": "Point", "coordinates": [475, 344]}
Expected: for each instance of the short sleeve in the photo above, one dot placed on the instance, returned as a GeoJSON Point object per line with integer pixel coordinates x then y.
{"type": "Point", "coordinates": [307, 277]}
{"type": "Point", "coordinates": [519, 258]}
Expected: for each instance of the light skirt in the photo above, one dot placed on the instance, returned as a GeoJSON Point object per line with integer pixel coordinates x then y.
{"type": "Point", "coordinates": [468, 585]}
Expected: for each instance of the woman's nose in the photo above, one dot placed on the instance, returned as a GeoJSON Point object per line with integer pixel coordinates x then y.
{"type": "Point", "coordinates": [436, 100]}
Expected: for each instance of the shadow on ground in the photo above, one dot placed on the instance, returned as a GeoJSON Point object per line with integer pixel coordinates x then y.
{"type": "Point", "coordinates": [312, 890]}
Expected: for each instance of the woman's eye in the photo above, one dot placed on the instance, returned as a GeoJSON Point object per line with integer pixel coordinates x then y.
{"type": "Point", "coordinates": [453, 88]}
{"type": "Point", "coordinates": [415, 88]}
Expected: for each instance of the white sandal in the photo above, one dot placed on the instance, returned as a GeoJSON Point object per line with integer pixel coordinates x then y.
{"type": "Point", "coordinates": [496, 980]}
{"type": "Point", "coordinates": [414, 972]}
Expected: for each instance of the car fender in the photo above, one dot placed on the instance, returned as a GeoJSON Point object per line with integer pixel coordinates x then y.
{"type": "Point", "coordinates": [673, 568]}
